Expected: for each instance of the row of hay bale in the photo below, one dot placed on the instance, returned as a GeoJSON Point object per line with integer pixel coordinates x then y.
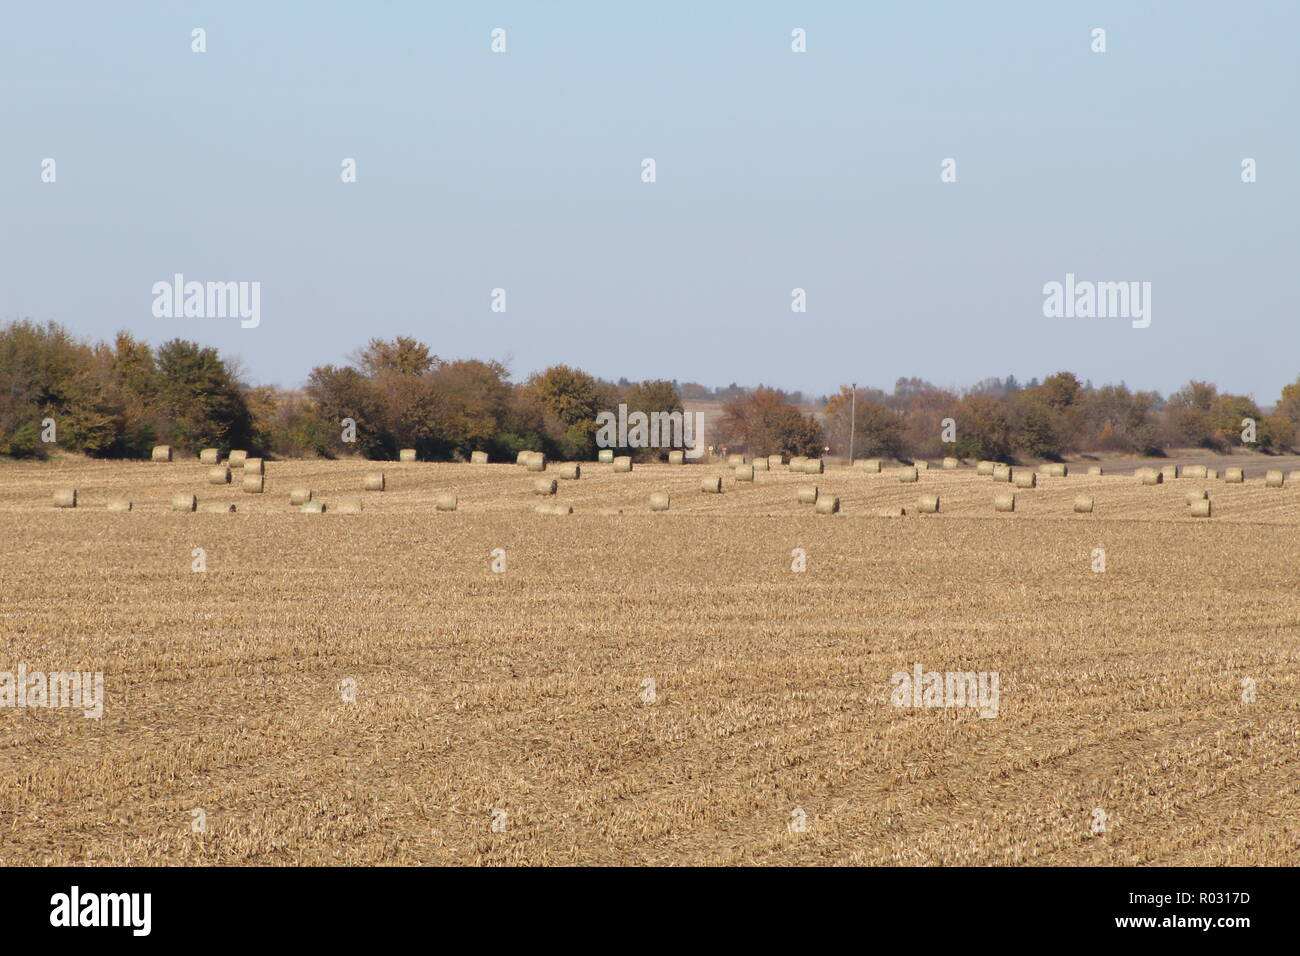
{"type": "Point", "coordinates": [830, 504]}
{"type": "Point", "coordinates": [1083, 504]}
{"type": "Point", "coordinates": [207, 456]}
{"type": "Point", "coordinates": [1274, 478]}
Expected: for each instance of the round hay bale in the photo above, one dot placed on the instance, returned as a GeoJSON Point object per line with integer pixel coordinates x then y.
{"type": "Point", "coordinates": [605, 456]}
{"type": "Point", "coordinates": [119, 504]}
{"type": "Point", "coordinates": [522, 457]}
{"type": "Point", "coordinates": [1234, 476]}
{"type": "Point", "coordinates": [536, 461]}
{"type": "Point", "coordinates": [734, 460]}
{"type": "Point", "coordinates": [237, 458]}
{"type": "Point", "coordinates": [1194, 496]}
{"type": "Point", "coordinates": [406, 454]}
{"type": "Point", "coordinates": [744, 473]}
{"type": "Point", "coordinates": [348, 506]}
{"type": "Point", "coordinates": [775, 461]}
{"type": "Point", "coordinates": [1045, 469]}
{"type": "Point", "coordinates": [871, 465]}
{"type": "Point", "coordinates": [299, 496]}
{"type": "Point", "coordinates": [1059, 470]}
{"type": "Point", "coordinates": [928, 504]}
{"type": "Point", "coordinates": [622, 464]}
{"type": "Point", "coordinates": [1193, 471]}
{"type": "Point", "coordinates": [65, 498]}
{"type": "Point", "coordinates": [184, 502]}
{"type": "Point", "coordinates": [253, 466]}
{"type": "Point", "coordinates": [210, 456]}
{"type": "Point", "coordinates": [571, 471]}
{"type": "Point", "coordinates": [1025, 479]}
{"type": "Point", "coordinates": [813, 466]}
{"type": "Point", "coordinates": [659, 501]}
{"type": "Point", "coordinates": [807, 494]}
{"type": "Point", "coordinates": [1006, 502]}
{"type": "Point", "coordinates": [1274, 479]}
{"type": "Point", "coordinates": [908, 475]}
{"type": "Point", "coordinates": [711, 486]}
{"type": "Point", "coordinates": [891, 512]}
{"type": "Point", "coordinates": [554, 509]}
{"type": "Point", "coordinates": [1001, 472]}
{"type": "Point", "coordinates": [254, 484]}
{"type": "Point", "coordinates": [446, 502]}
{"type": "Point", "coordinates": [1094, 470]}
{"type": "Point", "coordinates": [827, 505]}
{"type": "Point", "coordinates": [544, 486]}
{"type": "Point", "coordinates": [1149, 476]}
{"type": "Point", "coordinates": [921, 465]}
{"type": "Point", "coordinates": [313, 508]}
{"type": "Point", "coordinates": [373, 481]}
{"type": "Point", "coordinates": [985, 468]}
{"type": "Point", "coordinates": [219, 476]}
{"type": "Point", "coordinates": [796, 463]}
{"type": "Point", "coordinates": [1212, 473]}
{"type": "Point", "coordinates": [951, 464]}
{"type": "Point", "coordinates": [1083, 505]}
{"type": "Point", "coordinates": [217, 508]}
{"type": "Point", "coordinates": [478, 458]}
{"type": "Point", "coordinates": [161, 453]}
{"type": "Point", "coordinates": [1200, 509]}
{"type": "Point", "coordinates": [1293, 475]}
{"type": "Point", "coordinates": [677, 457]}
{"type": "Point", "coordinates": [760, 464]}
{"type": "Point", "coordinates": [1170, 472]}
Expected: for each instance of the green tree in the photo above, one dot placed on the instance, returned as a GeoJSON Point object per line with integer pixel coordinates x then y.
{"type": "Point", "coordinates": [569, 401]}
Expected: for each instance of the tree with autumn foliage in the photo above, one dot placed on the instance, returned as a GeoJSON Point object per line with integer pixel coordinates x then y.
{"type": "Point", "coordinates": [765, 422]}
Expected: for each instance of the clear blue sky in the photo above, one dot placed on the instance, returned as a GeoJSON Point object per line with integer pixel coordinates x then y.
{"type": "Point", "coordinates": [775, 170]}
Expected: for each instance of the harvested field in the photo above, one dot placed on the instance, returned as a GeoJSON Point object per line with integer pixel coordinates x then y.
{"type": "Point", "coordinates": [524, 691]}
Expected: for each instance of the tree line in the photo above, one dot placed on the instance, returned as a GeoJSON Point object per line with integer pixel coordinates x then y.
{"type": "Point", "coordinates": [118, 399]}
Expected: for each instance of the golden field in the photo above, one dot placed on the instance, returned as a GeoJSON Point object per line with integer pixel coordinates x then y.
{"type": "Point", "coordinates": [521, 691]}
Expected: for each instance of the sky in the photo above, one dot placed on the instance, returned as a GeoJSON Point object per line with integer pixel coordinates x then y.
{"type": "Point", "coordinates": [774, 170]}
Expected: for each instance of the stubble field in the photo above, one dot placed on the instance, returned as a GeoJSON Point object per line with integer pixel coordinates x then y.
{"type": "Point", "coordinates": [520, 698]}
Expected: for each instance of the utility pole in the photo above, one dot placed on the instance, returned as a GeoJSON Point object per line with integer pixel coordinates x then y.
{"type": "Point", "coordinates": [853, 421]}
